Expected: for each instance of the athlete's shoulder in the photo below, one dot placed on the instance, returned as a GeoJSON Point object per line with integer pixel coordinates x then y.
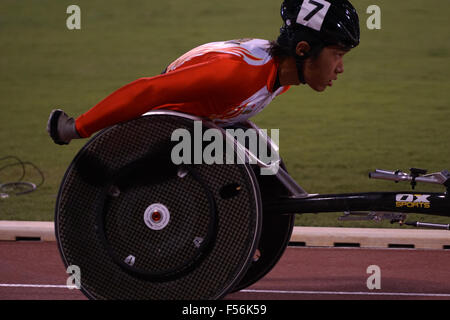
{"type": "Point", "coordinates": [253, 51]}
{"type": "Point", "coordinates": [250, 51]}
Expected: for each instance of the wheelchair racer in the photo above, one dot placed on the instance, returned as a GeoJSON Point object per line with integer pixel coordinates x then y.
{"type": "Point", "coordinates": [231, 81]}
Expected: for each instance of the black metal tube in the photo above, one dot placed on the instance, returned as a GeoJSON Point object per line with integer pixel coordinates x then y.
{"type": "Point", "coordinates": [407, 202]}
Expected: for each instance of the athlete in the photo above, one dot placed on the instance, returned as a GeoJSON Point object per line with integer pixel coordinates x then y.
{"type": "Point", "coordinates": [229, 82]}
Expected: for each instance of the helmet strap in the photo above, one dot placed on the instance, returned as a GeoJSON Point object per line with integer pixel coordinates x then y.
{"type": "Point", "coordinates": [299, 62]}
{"type": "Point", "coordinates": [289, 38]}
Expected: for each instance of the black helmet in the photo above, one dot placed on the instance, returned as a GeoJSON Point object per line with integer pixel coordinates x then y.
{"type": "Point", "coordinates": [331, 22]}
{"type": "Point", "coordinates": [320, 23]}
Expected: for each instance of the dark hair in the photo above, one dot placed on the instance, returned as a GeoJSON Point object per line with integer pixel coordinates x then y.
{"type": "Point", "coordinates": [278, 51]}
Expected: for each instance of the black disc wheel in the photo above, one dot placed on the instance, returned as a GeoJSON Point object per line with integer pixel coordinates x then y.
{"type": "Point", "coordinates": [140, 227]}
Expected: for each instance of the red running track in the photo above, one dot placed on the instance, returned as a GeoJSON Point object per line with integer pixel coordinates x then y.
{"type": "Point", "coordinates": [34, 271]}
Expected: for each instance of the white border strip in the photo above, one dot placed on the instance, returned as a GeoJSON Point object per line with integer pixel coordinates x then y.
{"type": "Point", "coordinates": [371, 238]}
{"type": "Point", "coordinates": [11, 230]}
{"type": "Point", "coordinates": [310, 236]}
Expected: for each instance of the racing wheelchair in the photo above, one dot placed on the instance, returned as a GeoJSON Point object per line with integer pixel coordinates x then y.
{"type": "Point", "coordinates": [141, 227]}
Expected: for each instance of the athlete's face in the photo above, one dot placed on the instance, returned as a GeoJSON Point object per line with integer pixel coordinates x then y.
{"type": "Point", "coordinates": [323, 70]}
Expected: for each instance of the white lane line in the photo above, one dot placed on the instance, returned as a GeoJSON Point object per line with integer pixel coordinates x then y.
{"type": "Point", "coordinates": [14, 285]}
{"type": "Point", "coordinates": [43, 286]}
{"type": "Point", "coordinates": [411, 294]}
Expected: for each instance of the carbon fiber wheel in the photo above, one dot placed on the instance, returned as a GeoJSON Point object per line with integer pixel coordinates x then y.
{"type": "Point", "coordinates": [275, 235]}
{"type": "Point", "coordinates": [140, 227]}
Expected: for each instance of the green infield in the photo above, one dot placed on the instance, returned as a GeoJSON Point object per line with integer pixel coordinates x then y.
{"type": "Point", "coordinates": [388, 110]}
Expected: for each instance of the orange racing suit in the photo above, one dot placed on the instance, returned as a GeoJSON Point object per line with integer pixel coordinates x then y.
{"type": "Point", "coordinates": [227, 82]}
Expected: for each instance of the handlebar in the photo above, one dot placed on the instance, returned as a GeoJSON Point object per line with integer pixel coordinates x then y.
{"type": "Point", "coordinates": [442, 177]}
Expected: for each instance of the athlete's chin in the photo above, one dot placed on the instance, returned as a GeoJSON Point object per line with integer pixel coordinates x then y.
{"type": "Point", "coordinates": [319, 88]}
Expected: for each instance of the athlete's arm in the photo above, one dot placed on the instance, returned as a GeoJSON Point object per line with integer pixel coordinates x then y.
{"type": "Point", "coordinates": [211, 84]}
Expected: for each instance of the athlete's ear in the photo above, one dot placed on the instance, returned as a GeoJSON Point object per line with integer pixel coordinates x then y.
{"type": "Point", "coordinates": [302, 48]}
